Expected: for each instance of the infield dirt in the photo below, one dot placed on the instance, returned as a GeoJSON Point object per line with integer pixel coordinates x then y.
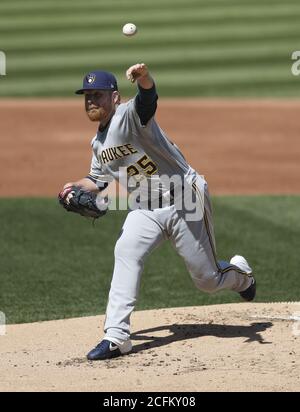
{"type": "Point", "coordinates": [242, 147]}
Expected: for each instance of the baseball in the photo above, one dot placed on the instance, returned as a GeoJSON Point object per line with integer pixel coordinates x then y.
{"type": "Point", "coordinates": [129, 29]}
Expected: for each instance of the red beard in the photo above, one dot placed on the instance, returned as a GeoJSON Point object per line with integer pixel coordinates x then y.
{"type": "Point", "coordinates": [96, 114]}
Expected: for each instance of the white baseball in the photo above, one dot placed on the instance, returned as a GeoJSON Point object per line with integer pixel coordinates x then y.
{"type": "Point", "coordinates": [129, 29]}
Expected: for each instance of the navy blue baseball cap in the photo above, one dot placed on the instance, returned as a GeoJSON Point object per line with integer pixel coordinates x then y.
{"type": "Point", "coordinates": [98, 80]}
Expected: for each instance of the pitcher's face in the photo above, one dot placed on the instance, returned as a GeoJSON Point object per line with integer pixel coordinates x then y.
{"type": "Point", "coordinates": [100, 105]}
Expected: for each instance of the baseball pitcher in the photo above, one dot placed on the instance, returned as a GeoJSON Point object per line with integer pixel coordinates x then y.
{"type": "Point", "coordinates": [170, 201]}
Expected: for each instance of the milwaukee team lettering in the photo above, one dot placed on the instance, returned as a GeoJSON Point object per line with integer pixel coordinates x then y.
{"type": "Point", "coordinates": [117, 152]}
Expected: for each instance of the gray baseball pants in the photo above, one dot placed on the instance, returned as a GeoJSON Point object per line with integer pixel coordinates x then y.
{"type": "Point", "coordinates": [145, 230]}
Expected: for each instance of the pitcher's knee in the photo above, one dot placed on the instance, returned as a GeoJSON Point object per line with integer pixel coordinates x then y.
{"type": "Point", "coordinates": [127, 248]}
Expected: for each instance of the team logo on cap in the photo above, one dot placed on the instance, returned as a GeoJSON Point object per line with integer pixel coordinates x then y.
{"type": "Point", "coordinates": [91, 78]}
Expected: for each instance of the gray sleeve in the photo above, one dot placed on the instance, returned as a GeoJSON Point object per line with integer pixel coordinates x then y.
{"type": "Point", "coordinates": [134, 118]}
{"type": "Point", "coordinates": [96, 173]}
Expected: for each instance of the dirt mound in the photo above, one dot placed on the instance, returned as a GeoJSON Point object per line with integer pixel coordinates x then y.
{"type": "Point", "coordinates": [232, 347]}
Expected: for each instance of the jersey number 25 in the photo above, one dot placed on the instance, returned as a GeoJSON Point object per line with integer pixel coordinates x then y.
{"type": "Point", "coordinates": [143, 166]}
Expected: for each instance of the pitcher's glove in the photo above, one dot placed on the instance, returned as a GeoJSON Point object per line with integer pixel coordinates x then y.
{"type": "Point", "coordinates": [77, 200]}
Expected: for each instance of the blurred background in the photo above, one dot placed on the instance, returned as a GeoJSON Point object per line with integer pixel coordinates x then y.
{"type": "Point", "coordinates": [195, 47]}
{"type": "Point", "coordinates": [228, 98]}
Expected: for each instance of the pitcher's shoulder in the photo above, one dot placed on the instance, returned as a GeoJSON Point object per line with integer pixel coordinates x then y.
{"type": "Point", "coordinates": [125, 106]}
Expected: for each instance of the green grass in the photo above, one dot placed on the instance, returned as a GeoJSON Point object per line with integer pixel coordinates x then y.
{"type": "Point", "coordinates": [58, 265]}
{"type": "Point", "coordinates": [193, 47]}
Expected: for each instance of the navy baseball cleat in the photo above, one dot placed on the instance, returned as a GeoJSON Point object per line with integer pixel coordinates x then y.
{"type": "Point", "coordinates": [250, 292]}
{"type": "Point", "coordinates": [108, 350]}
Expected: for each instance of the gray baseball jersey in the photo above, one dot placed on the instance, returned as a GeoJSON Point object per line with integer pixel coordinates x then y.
{"type": "Point", "coordinates": [128, 149]}
{"type": "Point", "coordinates": [146, 152]}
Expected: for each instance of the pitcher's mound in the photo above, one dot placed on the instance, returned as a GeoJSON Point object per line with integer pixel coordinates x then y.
{"type": "Point", "coordinates": [236, 347]}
